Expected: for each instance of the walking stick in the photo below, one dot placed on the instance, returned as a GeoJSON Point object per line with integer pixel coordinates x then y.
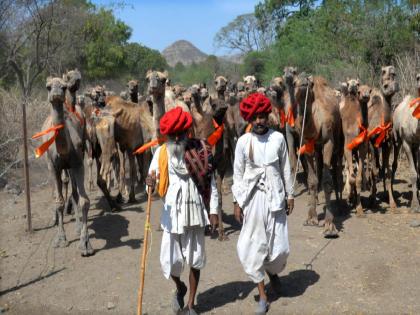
{"type": "Point", "coordinates": [144, 254]}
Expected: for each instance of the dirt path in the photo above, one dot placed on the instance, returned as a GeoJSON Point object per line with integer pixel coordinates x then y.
{"type": "Point", "coordinates": [374, 267]}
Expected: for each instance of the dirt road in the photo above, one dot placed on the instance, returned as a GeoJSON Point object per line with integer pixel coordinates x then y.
{"type": "Point", "coordinates": [372, 268]}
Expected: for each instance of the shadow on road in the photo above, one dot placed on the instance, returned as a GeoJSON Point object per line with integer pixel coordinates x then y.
{"type": "Point", "coordinates": [40, 278]}
{"type": "Point", "coordinates": [112, 228]}
{"type": "Point", "coordinates": [223, 294]}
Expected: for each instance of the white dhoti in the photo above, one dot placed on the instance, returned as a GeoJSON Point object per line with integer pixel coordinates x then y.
{"type": "Point", "coordinates": [178, 249]}
{"type": "Point", "coordinates": [263, 243]}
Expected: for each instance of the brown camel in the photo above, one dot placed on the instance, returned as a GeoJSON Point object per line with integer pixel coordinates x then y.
{"type": "Point", "coordinates": [322, 143]}
{"type": "Point", "coordinates": [380, 135]}
{"type": "Point", "coordinates": [156, 88]}
{"type": "Point", "coordinates": [130, 121]}
{"type": "Point", "coordinates": [66, 152]}
{"type": "Point", "coordinates": [406, 132]}
{"type": "Point", "coordinates": [132, 92]}
{"type": "Point", "coordinates": [250, 83]}
{"type": "Point", "coordinates": [353, 112]}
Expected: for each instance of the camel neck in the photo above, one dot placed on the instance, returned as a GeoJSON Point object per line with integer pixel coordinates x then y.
{"type": "Point", "coordinates": [221, 95]}
{"type": "Point", "coordinates": [291, 91]}
{"type": "Point", "coordinates": [57, 116]}
{"type": "Point", "coordinates": [134, 98]}
{"type": "Point", "coordinates": [388, 108]}
{"type": "Point", "coordinates": [364, 112]}
{"type": "Point", "coordinates": [197, 104]}
{"type": "Point", "coordinates": [71, 97]}
{"type": "Point", "coordinates": [158, 110]}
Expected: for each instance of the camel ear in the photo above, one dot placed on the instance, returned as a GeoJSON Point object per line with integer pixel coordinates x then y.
{"type": "Point", "coordinates": [358, 81]}
{"type": "Point", "coordinates": [149, 73]}
{"type": "Point", "coordinates": [118, 112]}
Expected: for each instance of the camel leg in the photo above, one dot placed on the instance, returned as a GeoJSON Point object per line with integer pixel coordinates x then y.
{"type": "Point", "coordinates": [413, 177]}
{"type": "Point", "coordinates": [327, 186]}
{"type": "Point", "coordinates": [397, 148]}
{"type": "Point", "coordinates": [133, 176]}
{"type": "Point", "coordinates": [312, 187]}
{"type": "Point", "coordinates": [386, 152]}
{"type": "Point", "coordinates": [84, 204]}
{"type": "Point", "coordinates": [350, 180]}
{"type": "Point", "coordinates": [222, 236]}
{"type": "Point", "coordinates": [75, 202]}
{"type": "Point", "coordinates": [359, 180]}
{"type": "Point", "coordinates": [102, 186]}
{"type": "Point", "coordinates": [121, 182]}
{"type": "Point", "coordinates": [90, 165]}
{"type": "Point", "coordinates": [373, 163]}
{"type": "Point", "coordinates": [291, 148]}
{"type": "Point", "coordinates": [60, 239]}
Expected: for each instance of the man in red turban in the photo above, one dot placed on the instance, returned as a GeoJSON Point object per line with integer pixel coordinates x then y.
{"type": "Point", "coordinates": [263, 195]}
{"type": "Point", "coordinates": [186, 184]}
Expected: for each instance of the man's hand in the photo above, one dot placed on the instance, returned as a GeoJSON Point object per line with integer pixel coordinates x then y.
{"type": "Point", "coordinates": [151, 180]}
{"type": "Point", "coordinates": [214, 222]}
{"type": "Point", "coordinates": [290, 206]}
{"type": "Point", "coordinates": [238, 213]}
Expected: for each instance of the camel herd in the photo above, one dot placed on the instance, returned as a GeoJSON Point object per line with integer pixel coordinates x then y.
{"type": "Point", "coordinates": [342, 138]}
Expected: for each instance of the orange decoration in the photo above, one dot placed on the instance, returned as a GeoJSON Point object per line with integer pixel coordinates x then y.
{"type": "Point", "coordinates": [381, 131]}
{"type": "Point", "coordinates": [308, 147]}
{"type": "Point", "coordinates": [416, 112]}
{"type": "Point", "coordinates": [149, 145]}
{"type": "Point", "coordinates": [290, 117]}
{"type": "Point", "coordinates": [217, 134]}
{"type": "Point", "coordinates": [362, 137]}
{"type": "Point", "coordinates": [282, 118]}
{"type": "Point", "coordinates": [44, 147]}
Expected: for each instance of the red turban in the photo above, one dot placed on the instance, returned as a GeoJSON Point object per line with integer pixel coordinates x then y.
{"type": "Point", "coordinates": [255, 103]}
{"type": "Point", "coordinates": [174, 121]}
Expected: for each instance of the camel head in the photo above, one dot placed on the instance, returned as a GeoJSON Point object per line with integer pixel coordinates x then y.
{"type": "Point", "coordinates": [220, 83]}
{"type": "Point", "coordinates": [194, 90]}
{"type": "Point", "coordinates": [277, 85]}
{"type": "Point", "coordinates": [364, 93]}
{"type": "Point", "coordinates": [290, 75]}
{"type": "Point", "coordinates": [389, 83]}
{"type": "Point", "coordinates": [178, 90]}
{"type": "Point", "coordinates": [156, 82]}
{"type": "Point", "coordinates": [304, 85]}
{"type": "Point", "coordinates": [97, 95]}
{"type": "Point", "coordinates": [187, 97]}
{"type": "Point", "coordinates": [204, 93]}
{"type": "Point", "coordinates": [352, 86]}
{"type": "Point", "coordinates": [219, 108]}
{"type": "Point", "coordinates": [80, 100]}
{"type": "Point", "coordinates": [72, 79]}
{"type": "Point", "coordinates": [56, 91]}
{"type": "Point", "coordinates": [250, 83]}
{"type": "Point", "coordinates": [133, 87]}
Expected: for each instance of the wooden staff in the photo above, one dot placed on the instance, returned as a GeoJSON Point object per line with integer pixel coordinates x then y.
{"type": "Point", "coordinates": [144, 255]}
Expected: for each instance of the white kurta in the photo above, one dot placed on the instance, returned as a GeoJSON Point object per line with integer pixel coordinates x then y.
{"type": "Point", "coordinates": [183, 219]}
{"type": "Point", "coordinates": [261, 183]}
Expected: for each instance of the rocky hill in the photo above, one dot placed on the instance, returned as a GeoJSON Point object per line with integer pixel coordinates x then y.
{"type": "Point", "coordinates": [182, 51]}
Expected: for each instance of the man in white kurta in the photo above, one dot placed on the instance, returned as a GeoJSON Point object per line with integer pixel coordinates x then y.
{"type": "Point", "coordinates": [184, 215]}
{"type": "Point", "coordinates": [263, 193]}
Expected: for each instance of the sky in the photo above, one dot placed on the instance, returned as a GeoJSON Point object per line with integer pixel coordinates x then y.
{"type": "Point", "coordinates": [159, 23]}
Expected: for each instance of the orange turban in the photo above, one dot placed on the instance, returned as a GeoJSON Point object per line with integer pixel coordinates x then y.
{"type": "Point", "coordinates": [174, 121]}
{"type": "Point", "coordinates": [255, 103]}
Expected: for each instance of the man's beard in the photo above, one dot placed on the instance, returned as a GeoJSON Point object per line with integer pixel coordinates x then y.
{"type": "Point", "coordinates": [176, 149]}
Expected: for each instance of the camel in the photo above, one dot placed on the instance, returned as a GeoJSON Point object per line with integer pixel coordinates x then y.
{"type": "Point", "coordinates": [130, 122]}
{"type": "Point", "coordinates": [93, 113]}
{"type": "Point", "coordinates": [380, 135]}
{"type": "Point", "coordinates": [276, 94]}
{"type": "Point", "coordinates": [156, 88]}
{"type": "Point", "coordinates": [406, 133]}
{"type": "Point", "coordinates": [322, 143]}
{"type": "Point", "coordinates": [66, 152]}
{"type": "Point", "coordinates": [132, 92]}
{"type": "Point", "coordinates": [353, 112]}
{"type": "Point", "coordinates": [250, 83]}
